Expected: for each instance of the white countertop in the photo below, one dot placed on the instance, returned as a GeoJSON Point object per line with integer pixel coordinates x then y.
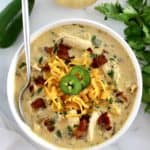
{"type": "Point", "coordinates": [44, 12]}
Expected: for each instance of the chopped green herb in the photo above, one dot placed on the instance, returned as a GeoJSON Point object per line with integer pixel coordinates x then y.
{"type": "Point", "coordinates": [105, 18]}
{"type": "Point", "coordinates": [95, 41]}
{"type": "Point", "coordinates": [23, 64]}
{"type": "Point", "coordinates": [93, 55]}
{"type": "Point", "coordinates": [59, 134]}
{"type": "Point", "coordinates": [110, 100]}
{"type": "Point", "coordinates": [112, 59]}
{"type": "Point", "coordinates": [55, 48]}
{"type": "Point", "coordinates": [69, 130]}
{"type": "Point", "coordinates": [65, 113]}
{"type": "Point", "coordinates": [39, 90]}
{"type": "Point", "coordinates": [40, 59]}
{"type": "Point", "coordinates": [103, 81]}
{"type": "Point", "coordinates": [111, 73]}
{"type": "Point", "coordinates": [75, 125]}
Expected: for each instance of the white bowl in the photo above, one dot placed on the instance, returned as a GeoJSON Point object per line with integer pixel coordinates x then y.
{"type": "Point", "coordinates": [11, 74]}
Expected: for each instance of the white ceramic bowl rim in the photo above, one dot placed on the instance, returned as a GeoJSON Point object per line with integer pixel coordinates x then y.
{"type": "Point", "coordinates": [11, 75]}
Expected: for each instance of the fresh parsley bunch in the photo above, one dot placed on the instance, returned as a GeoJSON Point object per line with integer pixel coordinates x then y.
{"type": "Point", "coordinates": [136, 16]}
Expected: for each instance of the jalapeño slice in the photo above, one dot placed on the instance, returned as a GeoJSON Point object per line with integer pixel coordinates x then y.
{"type": "Point", "coordinates": [82, 74]}
{"type": "Point", "coordinates": [70, 84]}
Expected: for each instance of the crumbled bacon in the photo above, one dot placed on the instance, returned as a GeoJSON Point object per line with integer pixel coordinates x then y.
{"type": "Point", "coordinates": [39, 81]}
{"type": "Point", "coordinates": [38, 103]}
{"type": "Point", "coordinates": [63, 51]}
{"type": "Point", "coordinates": [63, 97]}
{"type": "Point", "coordinates": [49, 125]}
{"type": "Point", "coordinates": [67, 61]}
{"type": "Point", "coordinates": [121, 95]}
{"type": "Point", "coordinates": [90, 50]}
{"type": "Point", "coordinates": [49, 50]}
{"type": "Point", "coordinates": [104, 121]}
{"type": "Point", "coordinates": [46, 68]}
{"type": "Point", "coordinates": [83, 127]}
{"type": "Point", "coordinates": [31, 88]}
{"type": "Point", "coordinates": [99, 61]}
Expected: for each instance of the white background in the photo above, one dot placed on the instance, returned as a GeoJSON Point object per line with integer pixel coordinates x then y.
{"type": "Point", "coordinates": [44, 12]}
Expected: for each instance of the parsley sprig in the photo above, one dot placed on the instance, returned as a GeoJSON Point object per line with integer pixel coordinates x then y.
{"type": "Point", "coordinates": [136, 16]}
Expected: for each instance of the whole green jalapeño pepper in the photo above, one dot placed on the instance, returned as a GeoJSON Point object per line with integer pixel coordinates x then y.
{"type": "Point", "coordinates": [11, 22]}
{"type": "Point", "coordinates": [69, 84]}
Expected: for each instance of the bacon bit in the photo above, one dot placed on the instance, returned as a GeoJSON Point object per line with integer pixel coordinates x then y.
{"type": "Point", "coordinates": [64, 97]}
{"type": "Point", "coordinates": [39, 81]}
{"type": "Point", "coordinates": [38, 103]}
{"type": "Point", "coordinates": [63, 51]}
{"type": "Point", "coordinates": [104, 121]}
{"type": "Point", "coordinates": [49, 125]}
{"type": "Point", "coordinates": [49, 50]}
{"type": "Point", "coordinates": [99, 61]}
{"type": "Point", "coordinates": [46, 68]}
{"type": "Point", "coordinates": [90, 50]}
{"type": "Point", "coordinates": [67, 61]}
{"type": "Point", "coordinates": [83, 127]}
{"type": "Point", "coordinates": [121, 95]}
{"type": "Point", "coordinates": [31, 88]}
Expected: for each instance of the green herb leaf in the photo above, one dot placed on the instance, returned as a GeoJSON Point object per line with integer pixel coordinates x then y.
{"type": "Point", "coordinates": [145, 15]}
{"type": "Point", "coordinates": [136, 15]}
{"type": "Point", "coordinates": [137, 4]}
{"type": "Point", "coordinates": [147, 34]}
{"type": "Point", "coordinates": [136, 43]}
{"type": "Point", "coordinates": [116, 11]}
{"type": "Point", "coordinates": [147, 69]}
{"type": "Point", "coordinates": [133, 30]}
{"type": "Point", "coordinates": [146, 80]}
{"type": "Point", "coordinates": [146, 95]}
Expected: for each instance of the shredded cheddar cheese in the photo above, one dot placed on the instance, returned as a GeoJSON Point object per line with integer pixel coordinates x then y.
{"type": "Point", "coordinates": [93, 94]}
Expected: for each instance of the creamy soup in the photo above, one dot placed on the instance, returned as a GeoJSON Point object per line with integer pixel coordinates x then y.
{"type": "Point", "coordinates": [82, 89]}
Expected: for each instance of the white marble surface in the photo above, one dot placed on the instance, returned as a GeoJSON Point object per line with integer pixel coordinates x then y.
{"type": "Point", "coordinates": [45, 11]}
